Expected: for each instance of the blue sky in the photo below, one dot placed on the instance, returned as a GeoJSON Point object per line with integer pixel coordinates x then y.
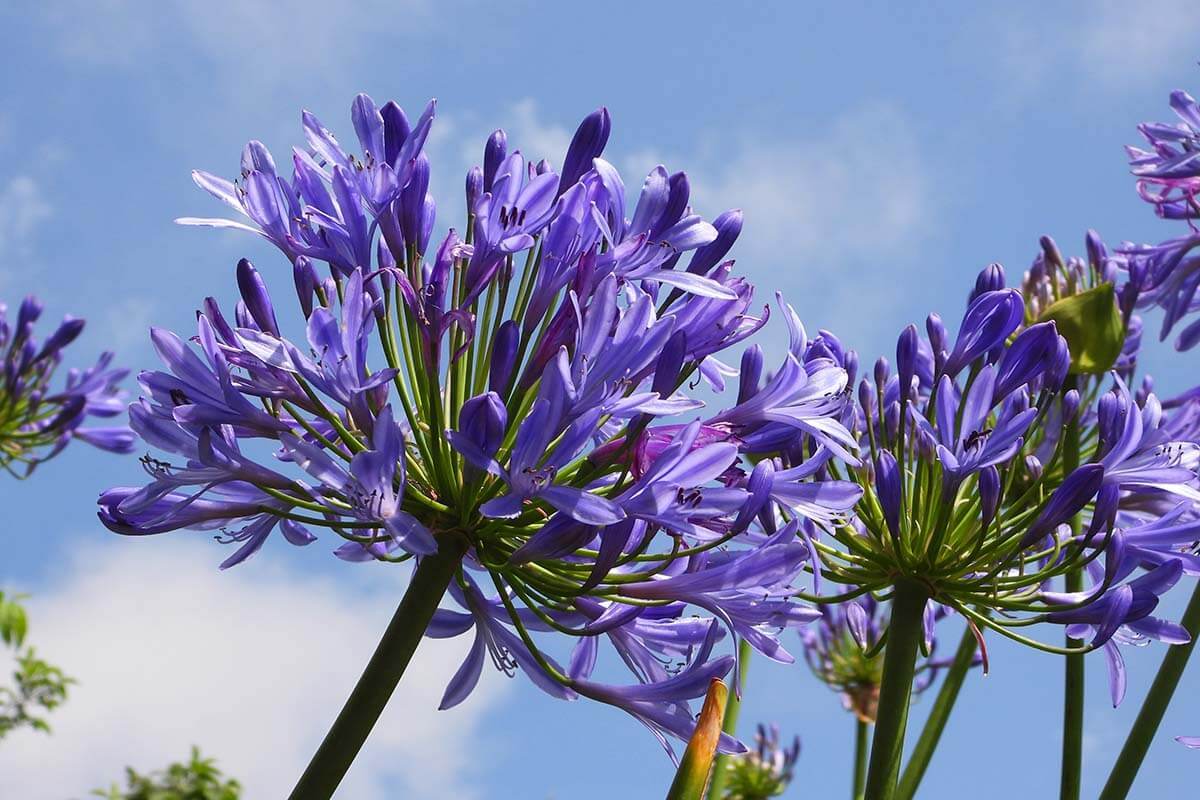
{"type": "Point", "coordinates": [882, 157]}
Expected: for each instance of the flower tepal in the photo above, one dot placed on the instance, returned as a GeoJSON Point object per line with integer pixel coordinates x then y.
{"type": "Point", "coordinates": [523, 384]}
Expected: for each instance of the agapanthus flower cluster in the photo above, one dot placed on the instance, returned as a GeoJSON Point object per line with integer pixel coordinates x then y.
{"type": "Point", "coordinates": [38, 418]}
{"type": "Point", "coordinates": [1009, 454]}
{"type": "Point", "coordinates": [844, 651]}
{"type": "Point", "coordinates": [1167, 275]}
{"type": "Point", "coordinates": [520, 389]}
{"type": "Point", "coordinates": [764, 772]}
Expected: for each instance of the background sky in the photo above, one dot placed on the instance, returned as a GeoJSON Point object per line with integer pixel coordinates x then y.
{"type": "Point", "coordinates": [883, 153]}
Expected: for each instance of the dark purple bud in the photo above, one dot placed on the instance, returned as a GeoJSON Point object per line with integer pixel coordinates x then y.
{"type": "Point", "coordinates": [1051, 253]}
{"type": "Point", "coordinates": [989, 495]}
{"type": "Point", "coordinates": [395, 131]}
{"type": "Point", "coordinates": [494, 153]}
{"type": "Point", "coordinates": [670, 362]}
{"type": "Point", "coordinates": [412, 201]}
{"type": "Point", "coordinates": [1070, 405]}
{"type": "Point", "coordinates": [305, 277]}
{"type": "Point", "coordinates": [474, 187]}
{"type": "Point", "coordinates": [1110, 419]}
{"type": "Point", "coordinates": [989, 320]}
{"type": "Point", "coordinates": [66, 333]}
{"type": "Point", "coordinates": [881, 372]}
{"type": "Point", "coordinates": [850, 364]}
{"type": "Point", "coordinates": [483, 420]}
{"type": "Point", "coordinates": [1031, 353]}
{"type": "Point", "coordinates": [891, 420]}
{"type": "Point", "coordinates": [70, 415]}
{"type": "Point", "coordinates": [936, 330]}
{"type": "Point", "coordinates": [887, 489]}
{"type": "Point", "coordinates": [990, 279]}
{"type": "Point", "coordinates": [254, 294]}
{"type": "Point", "coordinates": [1060, 365]}
{"type": "Point", "coordinates": [587, 144]}
{"type": "Point", "coordinates": [504, 355]}
{"type": "Point", "coordinates": [1072, 495]}
{"type": "Point", "coordinates": [729, 227]}
{"type": "Point", "coordinates": [27, 314]}
{"type": "Point", "coordinates": [866, 398]}
{"type": "Point", "coordinates": [1097, 253]}
{"type": "Point", "coordinates": [906, 358]}
{"type": "Point", "coordinates": [751, 372]}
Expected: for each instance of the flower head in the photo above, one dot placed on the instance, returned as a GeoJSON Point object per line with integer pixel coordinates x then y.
{"type": "Point", "coordinates": [524, 386]}
{"type": "Point", "coordinates": [37, 420]}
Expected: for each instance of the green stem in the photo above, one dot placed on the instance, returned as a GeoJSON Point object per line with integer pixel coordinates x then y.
{"type": "Point", "coordinates": [862, 747]}
{"type": "Point", "coordinates": [1137, 743]}
{"type": "Point", "coordinates": [352, 726]}
{"type": "Point", "coordinates": [899, 662]}
{"type": "Point", "coordinates": [1073, 674]}
{"type": "Point", "coordinates": [918, 762]}
{"type": "Point", "coordinates": [733, 706]}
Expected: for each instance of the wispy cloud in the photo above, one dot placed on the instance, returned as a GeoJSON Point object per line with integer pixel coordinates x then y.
{"type": "Point", "coordinates": [23, 207]}
{"type": "Point", "coordinates": [1108, 45]}
{"type": "Point", "coordinates": [828, 217]}
{"type": "Point", "coordinates": [250, 665]}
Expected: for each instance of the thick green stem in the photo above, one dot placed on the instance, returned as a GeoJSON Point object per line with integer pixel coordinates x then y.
{"type": "Point", "coordinates": [922, 752]}
{"type": "Point", "coordinates": [733, 706]}
{"type": "Point", "coordinates": [1137, 743]}
{"type": "Point", "coordinates": [862, 747]}
{"type": "Point", "coordinates": [352, 726]}
{"type": "Point", "coordinates": [1073, 670]}
{"type": "Point", "coordinates": [899, 662]}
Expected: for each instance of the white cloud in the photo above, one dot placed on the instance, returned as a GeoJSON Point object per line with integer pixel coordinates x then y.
{"type": "Point", "coordinates": [251, 46]}
{"type": "Point", "coordinates": [250, 664]}
{"type": "Point", "coordinates": [1104, 45]}
{"type": "Point", "coordinates": [23, 207]}
{"type": "Point", "coordinates": [847, 200]}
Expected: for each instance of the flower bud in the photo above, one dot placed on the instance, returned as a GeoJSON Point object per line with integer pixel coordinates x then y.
{"type": "Point", "coordinates": [1031, 353]}
{"type": "Point", "coordinates": [587, 144]}
{"type": "Point", "coordinates": [474, 187]}
{"type": "Point", "coordinates": [989, 495]}
{"type": "Point", "coordinates": [1070, 405]}
{"type": "Point", "coordinates": [66, 333]}
{"type": "Point", "coordinates": [1075, 492]}
{"type": "Point", "coordinates": [906, 359]}
{"type": "Point", "coordinates": [729, 227]}
{"type": "Point", "coordinates": [306, 280]}
{"type": "Point", "coordinates": [493, 156]}
{"type": "Point", "coordinates": [1097, 253]}
{"type": "Point", "coordinates": [989, 320]}
{"type": "Point", "coordinates": [669, 364]}
{"type": "Point", "coordinates": [484, 419]}
{"type": "Point", "coordinates": [258, 302]}
{"type": "Point", "coordinates": [990, 279]}
{"type": "Point", "coordinates": [881, 372]}
{"type": "Point", "coordinates": [1033, 465]}
{"type": "Point", "coordinates": [395, 131]}
{"type": "Point", "coordinates": [887, 489]}
{"type": "Point", "coordinates": [750, 373]}
{"type": "Point", "coordinates": [504, 356]}
{"type": "Point", "coordinates": [936, 330]}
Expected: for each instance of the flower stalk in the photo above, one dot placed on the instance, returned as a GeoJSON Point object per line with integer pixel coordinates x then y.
{"type": "Point", "coordinates": [862, 748]}
{"type": "Point", "coordinates": [900, 657]}
{"type": "Point", "coordinates": [383, 672]}
{"type": "Point", "coordinates": [935, 724]}
{"type": "Point", "coordinates": [1073, 665]}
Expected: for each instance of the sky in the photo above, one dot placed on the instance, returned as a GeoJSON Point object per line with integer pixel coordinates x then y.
{"type": "Point", "coordinates": [883, 153]}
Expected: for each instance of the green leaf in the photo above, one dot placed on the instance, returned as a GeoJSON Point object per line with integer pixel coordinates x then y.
{"type": "Point", "coordinates": [1091, 323]}
{"type": "Point", "coordinates": [692, 776]}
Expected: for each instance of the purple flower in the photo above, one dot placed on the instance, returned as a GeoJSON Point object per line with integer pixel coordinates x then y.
{"type": "Point", "coordinates": [36, 420]}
